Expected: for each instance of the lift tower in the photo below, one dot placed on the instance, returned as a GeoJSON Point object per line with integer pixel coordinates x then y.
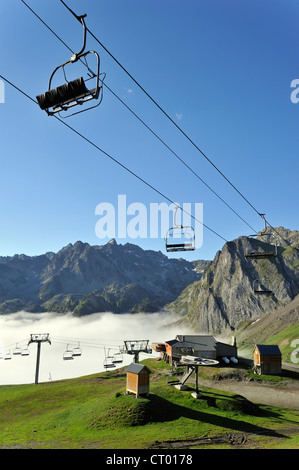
{"type": "Point", "coordinates": [38, 338]}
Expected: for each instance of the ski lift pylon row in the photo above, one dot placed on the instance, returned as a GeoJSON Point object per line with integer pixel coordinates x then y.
{"type": "Point", "coordinates": [74, 92]}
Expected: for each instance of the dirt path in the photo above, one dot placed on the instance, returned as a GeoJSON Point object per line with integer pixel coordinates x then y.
{"type": "Point", "coordinates": [285, 396]}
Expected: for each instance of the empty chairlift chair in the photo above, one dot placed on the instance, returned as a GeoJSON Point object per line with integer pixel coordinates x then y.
{"type": "Point", "coordinates": [77, 351]}
{"type": "Point", "coordinates": [263, 253]}
{"type": "Point", "coordinates": [17, 351]}
{"type": "Point", "coordinates": [75, 92]}
{"type": "Point", "coordinates": [68, 354]}
{"type": "Point", "coordinates": [258, 289]}
{"type": "Point", "coordinates": [108, 361]}
{"type": "Point", "coordinates": [179, 237]}
{"type": "Point", "coordinates": [25, 351]}
{"type": "Point", "coordinates": [7, 356]}
{"type": "Point", "coordinates": [117, 358]}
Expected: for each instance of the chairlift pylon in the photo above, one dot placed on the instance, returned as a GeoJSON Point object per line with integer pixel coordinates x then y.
{"type": "Point", "coordinates": [74, 92]}
{"type": "Point", "coordinates": [179, 237]}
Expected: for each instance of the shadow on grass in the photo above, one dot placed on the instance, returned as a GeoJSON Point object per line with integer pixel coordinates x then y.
{"type": "Point", "coordinates": [161, 410]}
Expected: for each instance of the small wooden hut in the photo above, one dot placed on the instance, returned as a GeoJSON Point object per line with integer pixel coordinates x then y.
{"type": "Point", "coordinates": [138, 379]}
{"type": "Point", "coordinates": [267, 359]}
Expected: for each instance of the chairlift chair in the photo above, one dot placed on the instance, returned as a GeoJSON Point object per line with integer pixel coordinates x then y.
{"type": "Point", "coordinates": [77, 351]}
{"type": "Point", "coordinates": [179, 237]}
{"type": "Point", "coordinates": [257, 288]}
{"type": "Point", "coordinates": [74, 92]}
{"type": "Point", "coordinates": [117, 358]}
{"type": "Point", "coordinates": [262, 254]}
{"type": "Point", "coordinates": [25, 352]}
{"type": "Point", "coordinates": [108, 361]}
{"type": "Point", "coordinates": [17, 351]}
{"type": "Point", "coordinates": [68, 354]}
{"type": "Point", "coordinates": [7, 356]}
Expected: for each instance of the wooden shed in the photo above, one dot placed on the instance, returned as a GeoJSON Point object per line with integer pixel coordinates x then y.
{"type": "Point", "coordinates": [267, 359]}
{"type": "Point", "coordinates": [138, 379]}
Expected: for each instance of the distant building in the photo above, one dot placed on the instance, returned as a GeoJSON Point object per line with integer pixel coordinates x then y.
{"type": "Point", "coordinates": [204, 346]}
{"type": "Point", "coordinates": [138, 379]}
{"type": "Point", "coordinates": [267, 359]}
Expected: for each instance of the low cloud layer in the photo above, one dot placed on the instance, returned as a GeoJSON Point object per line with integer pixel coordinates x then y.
{"type": "Point", "coordinates": [97, 333]}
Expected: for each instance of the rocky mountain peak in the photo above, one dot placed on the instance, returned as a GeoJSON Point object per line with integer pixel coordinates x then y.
{"type": "Point", "coordinates": [225, 295]}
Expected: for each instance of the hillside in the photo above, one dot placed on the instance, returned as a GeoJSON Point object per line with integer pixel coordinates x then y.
{"type": "Point", "coordinates": [85, 279]}
{"type": "Point", "coordinates": [279, 327]}
{"type": "Point", "coordinates": [224, 296]}
{"type": "Point", "coordinates": [93, 412]}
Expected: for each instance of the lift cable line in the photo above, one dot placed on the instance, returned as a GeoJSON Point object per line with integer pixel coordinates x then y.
{"type": "Point", "coordinates": [142, 121]}
{"type": "Point", "coordinates": [78, 18]}
{"type": "Point", "coordinates": [162, 110]}
{"type": "Point", "coordinates": [117, 161]}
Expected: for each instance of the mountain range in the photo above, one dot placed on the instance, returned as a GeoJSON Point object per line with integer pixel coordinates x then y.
{"type": "Point", "coordinates": [210, 296]}
{"type": "Point", "coordinates": [85, 279]}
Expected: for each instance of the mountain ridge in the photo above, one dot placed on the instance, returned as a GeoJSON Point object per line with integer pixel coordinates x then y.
{"type": "Point", "coordinates": [225, 295]}
{"type": "Point", "coordinates": [85, 279]}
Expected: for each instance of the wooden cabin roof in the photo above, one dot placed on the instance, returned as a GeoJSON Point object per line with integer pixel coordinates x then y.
{"type": "Point", "coordinates": [268, 349]}
{"type": "Point", "coordinates": [136, 368]}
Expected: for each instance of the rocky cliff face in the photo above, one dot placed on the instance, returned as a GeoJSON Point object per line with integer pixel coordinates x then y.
{"type": "Point", "coordinates": [225, 295]}
{"type": "Point", "coordinates": [86, 279]}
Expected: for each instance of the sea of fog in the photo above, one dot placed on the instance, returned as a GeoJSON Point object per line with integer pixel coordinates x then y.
{"type": "Point", "coordinates": [97, 335]}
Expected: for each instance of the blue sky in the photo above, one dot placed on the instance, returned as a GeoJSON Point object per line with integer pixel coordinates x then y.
{"type": "Point", "coordinates": [221, 70]}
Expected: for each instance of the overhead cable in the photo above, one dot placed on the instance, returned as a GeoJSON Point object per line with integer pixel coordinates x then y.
{"type": "Point", "coordinates": [143, 122]}
{"type": "Point", "coordinates": [116, 161]}
{"type": "Point", "coordinates": [161, 109]}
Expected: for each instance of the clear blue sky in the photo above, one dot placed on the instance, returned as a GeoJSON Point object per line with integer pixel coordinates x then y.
{"type": "Point", "coordinates": [221, 70]}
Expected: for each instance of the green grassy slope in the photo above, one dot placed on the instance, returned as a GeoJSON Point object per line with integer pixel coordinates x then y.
{"type": "Point", "coordinates": [95, 412]}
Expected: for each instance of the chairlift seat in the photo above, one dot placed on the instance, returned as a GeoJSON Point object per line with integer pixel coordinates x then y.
{"type": "Point", "coordinates": [68, 356]}
{"type": "Point", "coordinates": [109, 365]}
{"type": "Point", "coordinates": [185, 239]}
{"type": "Point", "coordinates": [263, 291]}
{"type": "Point", "coordinates": [116, 359]}
{"type": "Point", "coordinates": [180, 247]}
{"type": "Point", "coordinates": [77, 352]}
{"type": "Point", "coordinates": [64, 94]}
{"type": "Point", "coordinates": [260, 254]}
{"type": "Point", "coordinates": [17, 351]}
